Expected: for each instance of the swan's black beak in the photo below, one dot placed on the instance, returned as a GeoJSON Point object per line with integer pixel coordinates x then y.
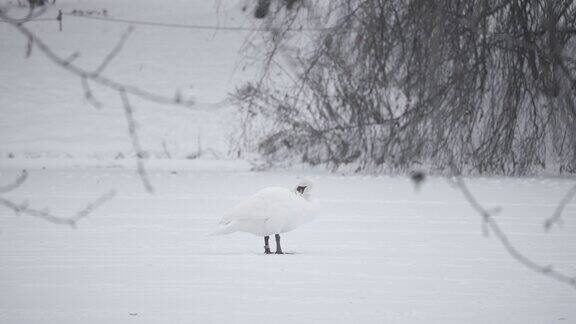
{"type": "Point", "coordinates": [301, 189]}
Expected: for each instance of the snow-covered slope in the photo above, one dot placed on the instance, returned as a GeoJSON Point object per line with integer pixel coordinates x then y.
{"type": "Point", "coordinates": [42, 108]}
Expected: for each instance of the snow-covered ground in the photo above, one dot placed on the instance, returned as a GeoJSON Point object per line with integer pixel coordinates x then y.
{"type": "Point", "coordinates": [378, 253]}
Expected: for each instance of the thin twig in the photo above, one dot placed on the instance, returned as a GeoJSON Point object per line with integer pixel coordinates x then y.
{"type": "Point", "coordinates": [32, 14]}
{"type": "Point", "coordinates": [184, 26]}
{"type": "Point", "coordinates": [45, 214]}
{"type": "Point", "coordinates": [17, 182]}
{"type": "Point", "coordinates": [33, 20]}
{"type": "Point", "coordinates": [140, 153]}
{"type": "Point", "coordinates": [556, 217]}
{"type": "Point", "coordinates": [96, 77]}
{"type": "Point", "coordinates": [547, 270]}
{"type": "Point", "coordinates": [89, 96]}
{"type": "Point", "coordinates": [114, 51]}
{"type": "Point", "coordinates": [92, 206]}
{"type": "Point", "coordinates": [89, 75]}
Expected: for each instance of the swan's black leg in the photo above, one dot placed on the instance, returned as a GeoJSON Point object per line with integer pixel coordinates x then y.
{"type": "Point", "coordinates": [278, 247]}
{"type": "Point", "coordinates": [266, 246]}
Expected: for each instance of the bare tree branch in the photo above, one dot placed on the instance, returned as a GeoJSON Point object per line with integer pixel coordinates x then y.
{"type": "Point", "coordinates": [114, 51]}
{"type": "Point", "coordinates": [140, 153]}
{"type": "Point", "coordinates": [32, 14]}
{"type": "Point", "coordinates": [97, 78]}
{"type": "Point", "coordinates": [45, 214]}
{"type": "Point", "coordinates": [24, 208]}
{"type": "Point", "coordinates": [17, 182]}
{"type": "Point", "coordinates": [487, 216]}
{"type": "Point", "coordinates": [93, 206]}
{"type": "Point", "coordinates": [556, 217]}
{"type": "Point", "coordinates": [89, 96]}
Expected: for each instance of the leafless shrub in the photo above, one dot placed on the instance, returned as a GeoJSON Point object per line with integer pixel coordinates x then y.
{"type": "Point", "coordinates": [394, 83]}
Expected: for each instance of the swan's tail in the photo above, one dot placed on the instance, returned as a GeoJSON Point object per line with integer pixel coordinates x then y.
{"type": "Point", "coordinates": [223, 230]}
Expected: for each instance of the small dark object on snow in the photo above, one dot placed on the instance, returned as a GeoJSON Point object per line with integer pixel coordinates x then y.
{"type": "Point", "coordinates": [418, 177]}
{"type": "Point", "coordinates": [133, 314]}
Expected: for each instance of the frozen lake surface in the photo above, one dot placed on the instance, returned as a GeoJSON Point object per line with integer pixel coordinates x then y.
{"type": "Point", "coordinates": [378, 253]}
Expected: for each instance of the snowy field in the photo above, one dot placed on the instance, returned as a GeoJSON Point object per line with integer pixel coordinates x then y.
{"type": "Point", "coordinates": [378, 253]}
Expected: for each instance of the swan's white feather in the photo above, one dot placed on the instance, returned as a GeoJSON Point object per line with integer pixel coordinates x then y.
{"type": "Point", "coordinates": [272, 210]}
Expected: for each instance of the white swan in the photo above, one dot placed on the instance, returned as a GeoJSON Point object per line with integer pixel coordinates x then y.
{"type": "Point", "coordinates": [272, 210]}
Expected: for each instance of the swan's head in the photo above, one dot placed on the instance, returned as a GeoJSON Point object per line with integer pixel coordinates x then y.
{"type": "Point", "coordinates": [304, 188]}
